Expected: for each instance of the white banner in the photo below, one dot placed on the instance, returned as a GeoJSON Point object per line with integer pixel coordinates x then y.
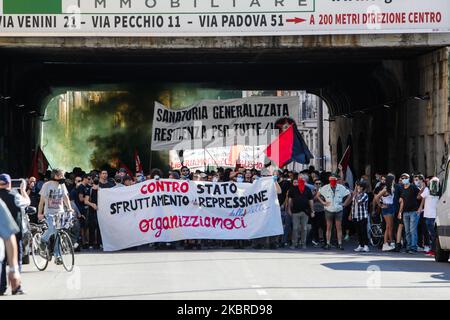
{"type": "Point", "coordinates": [246, 156]}
{"type": "Point", "coordinates": [219, 123]}
{"type": "Point", "coordinates": [172, 210]}
{"type": "Point", "coordinates": [195, 18]}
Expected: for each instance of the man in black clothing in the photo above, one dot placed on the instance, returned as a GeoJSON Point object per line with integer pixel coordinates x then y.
{"type": "Point", "coordinates": [409, 205]}
{"type": "Point", "coordinates": [285, 217]}
{"type": "Point", "coordinates": [300, 208]}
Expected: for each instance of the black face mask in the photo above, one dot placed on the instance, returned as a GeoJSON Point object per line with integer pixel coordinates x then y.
{"type": "Point", "coordinates": [60, 181]}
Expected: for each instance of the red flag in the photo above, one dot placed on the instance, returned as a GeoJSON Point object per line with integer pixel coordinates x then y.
{"type": "Point", "coordinates": [40, 163]}
{"type": "Point", "coordinates": [289, 146]}
{"type": "Point", "coordinates": [137, 161]}
{"type": "Point", "coordinates": [345, 161]}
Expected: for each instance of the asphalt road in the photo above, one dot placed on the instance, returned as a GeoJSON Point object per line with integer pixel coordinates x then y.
{"type": "Point", "coordinates": [241, 274]}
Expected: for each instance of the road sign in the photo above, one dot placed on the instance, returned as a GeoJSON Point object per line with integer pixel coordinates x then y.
{"type": "Point", "coordinates": [196, 18]}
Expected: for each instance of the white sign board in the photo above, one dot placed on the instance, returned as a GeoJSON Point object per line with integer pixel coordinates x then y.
{"type": "Point", "coordinates": [220, 123]}
{"type": "Point", "coordinates": [196, 18]}
{"type": "Point", "coordinates": [246, 156]}
{"type": "Point", "coordinates": [172, 210]}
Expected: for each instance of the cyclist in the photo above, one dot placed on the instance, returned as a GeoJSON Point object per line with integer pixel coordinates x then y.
{"type": "Point", "coordinates": [53, 197]}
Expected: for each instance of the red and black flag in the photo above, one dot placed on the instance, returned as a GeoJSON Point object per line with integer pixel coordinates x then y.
{"type": "Point", "coordinates": [40, 163]}
{"type": "Point", "coordinates": [288, 147]}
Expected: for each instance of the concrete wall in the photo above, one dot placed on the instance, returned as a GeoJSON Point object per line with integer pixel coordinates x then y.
{"type": "Point", "coordinates": [412, 135]}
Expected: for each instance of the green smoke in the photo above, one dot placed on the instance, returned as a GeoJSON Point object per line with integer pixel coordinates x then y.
{"type": "Point", "coordinates": [93, 129]}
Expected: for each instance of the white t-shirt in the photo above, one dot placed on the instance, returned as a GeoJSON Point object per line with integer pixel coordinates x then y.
{"type": "Point", "coordinates": [53, 192]}
{"type": "Point", "coordinates": [430, 207]}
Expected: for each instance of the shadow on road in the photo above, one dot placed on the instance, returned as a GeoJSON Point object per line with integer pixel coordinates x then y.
{"type": "Point", "coordinates": [398, 265]}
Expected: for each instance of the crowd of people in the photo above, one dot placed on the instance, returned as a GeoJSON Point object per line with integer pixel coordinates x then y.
{"type": "Point", "coordinates": [318, 209]}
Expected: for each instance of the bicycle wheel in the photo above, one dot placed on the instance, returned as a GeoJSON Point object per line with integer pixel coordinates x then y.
{"type": "Point", "coordinates": [40, 257]}
{"type": "Point", "coordinates": [66, 251]}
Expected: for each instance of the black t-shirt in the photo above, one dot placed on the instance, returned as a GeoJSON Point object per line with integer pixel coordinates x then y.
{"type": "Point", "coordinates": [79, 190]}
{"type": "Point", "coordinates": [106, 185]}
{"type": "Point", "coordinates": [93, 196]}
{"type": "Point", "coordinates": [300, 201]}
{"type": "Point", "coordinates": [409, 196]}
{"type": "Point", "coordinates": [284, 185]}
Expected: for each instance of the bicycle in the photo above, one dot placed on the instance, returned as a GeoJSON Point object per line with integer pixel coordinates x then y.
{"type": "Point", "coordinates": [61, 221]}
{"type": "Point", "coordinates": [376, 234]}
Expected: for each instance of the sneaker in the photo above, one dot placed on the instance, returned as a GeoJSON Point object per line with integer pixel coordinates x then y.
{"type": "Point", "coordinates": [398, 247]}
{"type": "Point", "coordinates": [359, 249]}
{"type": "Point", "coordinates": [327, 246]}
{"type": "Point", "coordinates": [91, 247]}
{"type": "Point", "coordinates": [315, 244]}
{"type": "Point", "coordinates": [420, 249]}
{"type": "Point", "coordinates": [58, 261]}
{"type": "Point", "coordinates": [426, 249]}
{"type": "Point", "coordinates": [292, 247]}
{"type": "Point", "coordinates": [386, 247]}
{"type": "Point", "coordinates": [347, 237]}
{"type": "Point", "coordinates": [366, 249]}
{"type": "Point", "coordinates": [340, 247]}
{"type": "Point", "coordinates": [411, 251]}
{"type": "Point", "coordinates": [304, 246]}
{"type": "Point", "coordinates": [430, 253]}
{"type": "Point", "coordinates": [75, 246]}
{"type": "Point", "coordinates": [18, 291]}
{"type": "Point", "coordinates": [392, 245]}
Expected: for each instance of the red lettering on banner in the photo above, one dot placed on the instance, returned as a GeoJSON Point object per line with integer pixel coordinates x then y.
{"type": "Point", "coordinates": [173, 222]}
{"type": "Point", "coordinates": [144, 226]}
{"type": "Point", "coordinates": [165, 186]}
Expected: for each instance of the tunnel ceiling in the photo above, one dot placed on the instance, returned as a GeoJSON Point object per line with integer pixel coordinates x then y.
{"type": "Point", "coordinates": [347, 77]}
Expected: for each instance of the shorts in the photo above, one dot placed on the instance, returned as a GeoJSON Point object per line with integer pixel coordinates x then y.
{"type": "Point", "coordinates": [389, 211]}
{"type": "Point", "coordinates": [334, 215]}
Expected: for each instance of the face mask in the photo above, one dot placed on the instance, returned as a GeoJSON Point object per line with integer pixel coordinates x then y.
{"type": "Point", "coordinates": [215, 179]}
{"type": "Point", "coordinates": [239, 179]}
{"type": "Point", "coordinates": [61, 181]}
{"type": "Point", "coordinates": [301, 185]}
{"type": "Point", "coordinates": [156, 177]}
{"type": "Point", "coordinates": [405, 181]}
{"type": "Point", "coordinates": [333, 183]}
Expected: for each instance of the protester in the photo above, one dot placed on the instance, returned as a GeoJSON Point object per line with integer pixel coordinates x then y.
{"type": "Point", "coordinates": [54, 196]}
{"type": "Point", "coordinates": [319, 225]}
{"type": "Point", "coordinates": [360, 215]}
{"type": "Point", "coordinates": [408, 211]}
{"type": "Point", "coordinates": [8, 230]}
{"type": "Point", "coordinates": [300, 207]}
{"type": "Point", "coordinates": [90, 198]}
{"type": "Point", "coordinates": [423, 238]}
{"type": "Point", "coordinates": [334, 193]}
{"type": "Point", "coordinates": [286, 219]}
{"type": "Point", "coordinates": [428, 204]}
{"type": "Point", "coordinates": [104, 182]}
{"type": "Point", "coordinates": [385, 200]}
{"type": "Point", "coordinates": [16, 203]}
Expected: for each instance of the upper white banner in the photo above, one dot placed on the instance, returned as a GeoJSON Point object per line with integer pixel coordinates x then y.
{"type": "Point", "coordinates": [196, 18]}
{"type": "Point", "coordinates": [219, 123]}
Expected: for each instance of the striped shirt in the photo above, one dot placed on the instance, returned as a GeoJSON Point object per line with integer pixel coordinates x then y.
{"type": "Point", "coordinates": [360, 207]}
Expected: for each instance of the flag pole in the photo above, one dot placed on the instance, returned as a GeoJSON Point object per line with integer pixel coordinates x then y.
{"type": "Point", "coordinates": [344, 154]}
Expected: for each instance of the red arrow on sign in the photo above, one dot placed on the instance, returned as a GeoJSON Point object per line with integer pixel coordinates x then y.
{"type": "Point", "coordinates": [296, 20]}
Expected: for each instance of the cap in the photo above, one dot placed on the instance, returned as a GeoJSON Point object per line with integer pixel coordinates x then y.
{"type": "Point", "coordinates": [333, 175]}
{"type": "Point", "coordinates": [405, 175]}
{"type": "Point", "coordinates": [122, 170]}
{"type": "Point", "coordinates": [5, 178]}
